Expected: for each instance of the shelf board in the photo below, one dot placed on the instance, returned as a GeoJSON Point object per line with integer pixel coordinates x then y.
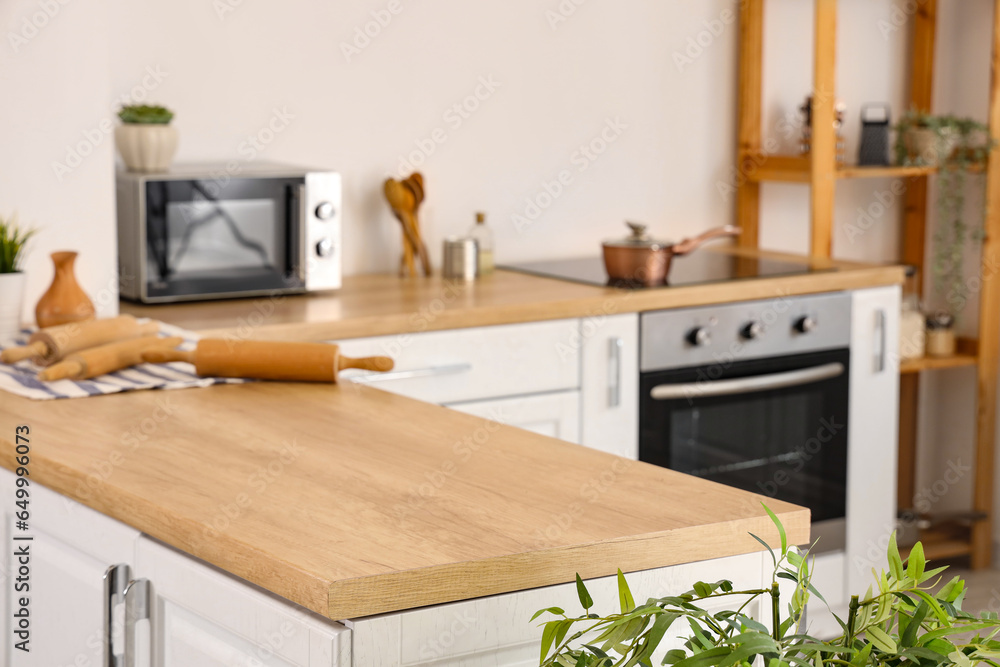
{"type": "Point", "coordinates": [967, 354]}
{"type": "Point", "coordinates": [934, 363]}
{"type": "Point", "coordinates": [935, 550]}
{"type": "Point", "coordinates": [855, 171]}
{"type": "Point", "coordinates": [798, 169]}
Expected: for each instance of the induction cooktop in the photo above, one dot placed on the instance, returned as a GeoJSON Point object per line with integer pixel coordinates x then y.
{"type": "Point", "coordinates": [698, 268]}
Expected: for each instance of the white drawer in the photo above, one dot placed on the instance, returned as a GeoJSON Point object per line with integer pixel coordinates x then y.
{"type": "Point", "coordinates": [473, 364]}
{"type": "Point", "coordinates": [556, 415]}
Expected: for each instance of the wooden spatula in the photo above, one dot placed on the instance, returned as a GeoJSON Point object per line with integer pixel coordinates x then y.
{"type": "Point", "coordinates": [268, 360]}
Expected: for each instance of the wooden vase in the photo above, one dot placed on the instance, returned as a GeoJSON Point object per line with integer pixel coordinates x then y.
{"type": "Point", "coordinates": [64, 301]}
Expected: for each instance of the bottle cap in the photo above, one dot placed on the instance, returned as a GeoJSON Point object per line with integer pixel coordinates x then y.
{"type": "Point", "coordinates": [480, 218]}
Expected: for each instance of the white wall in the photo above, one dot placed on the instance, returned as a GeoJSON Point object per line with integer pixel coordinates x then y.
{"type": "Point", "coordinates": [55, 83]}
{"type": "Point", "coordinates": [226, 65]}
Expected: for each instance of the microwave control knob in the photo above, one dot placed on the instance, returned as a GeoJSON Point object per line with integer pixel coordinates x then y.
{"type": "Point", "coordinates": [325, 210]}
{"type": "Point", "coordinates": [752, 330]}
{"type": "Point", "coordinates": [699, 337]}
{"type": "Point", "coordinates": [324, 248]}
{"type": "Point", "coordinates": [806, 324]}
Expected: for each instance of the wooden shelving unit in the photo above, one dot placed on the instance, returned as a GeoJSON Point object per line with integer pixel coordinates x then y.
{"type": "Point", "coordinates": [819, 170]}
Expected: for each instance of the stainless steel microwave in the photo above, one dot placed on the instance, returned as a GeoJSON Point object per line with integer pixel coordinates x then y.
{"type": "Point", "coordinates": [202, 232]}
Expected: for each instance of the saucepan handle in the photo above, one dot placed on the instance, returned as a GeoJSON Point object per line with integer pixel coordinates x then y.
{"type": "Point", "coordinates": [687, 245]}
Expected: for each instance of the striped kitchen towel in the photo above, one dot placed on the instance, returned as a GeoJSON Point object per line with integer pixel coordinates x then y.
{"type": "Point", "coordinates": [20, 378]}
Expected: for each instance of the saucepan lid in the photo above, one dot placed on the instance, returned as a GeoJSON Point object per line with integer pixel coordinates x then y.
{"type": "Point", "coordinates": [639, 238]}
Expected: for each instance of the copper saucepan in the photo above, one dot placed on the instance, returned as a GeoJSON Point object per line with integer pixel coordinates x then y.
{"type": "Point", "coordinates": [639, 259]}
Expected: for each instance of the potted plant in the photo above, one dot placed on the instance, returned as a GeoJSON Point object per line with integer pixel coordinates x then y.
{"type": "Point", "coordinates": [145, 139]}
{"type": "Point", "coordinates": [13, 239]}
{"type": "Point", "coordinates": [958, 146]}
{"type": "Point", "coordinates": [899, 621]}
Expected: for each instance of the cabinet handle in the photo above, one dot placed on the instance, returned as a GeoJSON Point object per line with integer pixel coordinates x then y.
{"type": "Point", "coordinates": [138, 607]}
{"type": "Point", "coordinates": [116, 580]}
{"type": "Point", "coordinates": [880, 340]}
{"type": "Point", "coordinates": [615, 346]}
{"type": "Point", "coordinates": [431, 371]}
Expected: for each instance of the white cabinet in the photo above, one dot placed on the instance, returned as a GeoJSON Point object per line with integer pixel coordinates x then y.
{"type": "Point", "coordinates": [871, 454]}
{"type": "Point", "coordinates": [576, 380]}
{"type": "Point", "coordinates": [496, 631]}
{"type": "Point", "coordinates": [872, 434]}
{"type": "Point", "coordinates": [193, 615]}
{"type": "Point", "coordinates": [610, 383]}
{"type": "Point", "coordinates": [198, 615]}
{"type": "Point", "coordinates": [475, 364]}
{"type": "Point", "coordinates": [556, 415]}
{"type": "Point", "coordinates": [70, 550]}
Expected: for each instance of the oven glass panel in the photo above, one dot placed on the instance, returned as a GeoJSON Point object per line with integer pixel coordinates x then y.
{"type": "Point", "coordinates": [788, 443]}
{"type": "Point", "coordinates": [203, 237]}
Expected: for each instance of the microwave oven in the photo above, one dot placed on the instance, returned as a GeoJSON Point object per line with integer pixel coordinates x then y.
{"type": "Point", "coordinates": [200, 232]}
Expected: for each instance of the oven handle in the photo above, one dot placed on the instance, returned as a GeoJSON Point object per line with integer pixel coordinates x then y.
{"type": "Point", "coordinates": [666, 392]}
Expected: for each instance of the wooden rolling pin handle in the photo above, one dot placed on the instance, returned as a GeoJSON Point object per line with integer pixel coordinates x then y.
{"type": "Point", "coordinates": [70, 368]}
{"type": "Point", "coordinates": [379, 364]}
{"type": "Point", "coordinates": [165, 356]}
{"type": "Point", "coordinates": [15, 354]}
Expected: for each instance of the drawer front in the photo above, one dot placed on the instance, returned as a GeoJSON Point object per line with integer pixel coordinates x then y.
{"type": "Point", "coordinates": [474, 364]}
{"type": "Point", "coordinates": [556, 415]}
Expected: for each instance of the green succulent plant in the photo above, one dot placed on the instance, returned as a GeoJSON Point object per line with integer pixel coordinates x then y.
{"type": "Point", "coordinates": [13, 239]}
{"type": "Point", "coordinates": [906, 619]}
{"type": "Point", "coordinates": [145, 114]}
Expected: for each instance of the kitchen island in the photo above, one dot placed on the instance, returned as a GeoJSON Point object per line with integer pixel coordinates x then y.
{"type": "Point", "coordinates": [353, 502]}
{"type": "Point", "coordinates": [412, 533]}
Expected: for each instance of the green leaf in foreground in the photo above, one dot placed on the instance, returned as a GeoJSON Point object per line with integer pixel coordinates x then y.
{"type": "Point", "coordinates": [585, 600]}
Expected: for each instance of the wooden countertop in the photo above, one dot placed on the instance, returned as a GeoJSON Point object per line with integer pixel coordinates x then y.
{"type": "Point", "coordinates": [382, 304]}
{"type": "Point", "coordinates": [351, 501]}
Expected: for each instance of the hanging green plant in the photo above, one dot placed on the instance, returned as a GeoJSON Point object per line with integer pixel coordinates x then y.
{"type": "Point", "coordinates": [959, 147]}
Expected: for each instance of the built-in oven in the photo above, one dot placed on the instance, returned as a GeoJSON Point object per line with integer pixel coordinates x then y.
{"type": "Point", "coordinates": [754, 395]}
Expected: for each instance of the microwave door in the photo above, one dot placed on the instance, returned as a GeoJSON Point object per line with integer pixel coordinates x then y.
{"type": "Point", "coordinates": [209, 239]}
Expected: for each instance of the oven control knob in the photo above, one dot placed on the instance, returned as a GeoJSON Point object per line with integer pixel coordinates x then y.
{"type": "Point", "coordinates": [325, 210]}
{"type": "Point", "coordinates": [699, 337]}
{"type": "Point", "coordinates": [324, 248]}
{"type": "Point", "coordinates": [752, 330]}
{"type": "Point", "coordinates": [806, 324]}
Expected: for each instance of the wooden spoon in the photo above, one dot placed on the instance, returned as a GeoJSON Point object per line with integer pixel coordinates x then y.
{"type": "Point", "coordinates": [415, 184]}
{"type": "Point", "coordinates": [403, 203]}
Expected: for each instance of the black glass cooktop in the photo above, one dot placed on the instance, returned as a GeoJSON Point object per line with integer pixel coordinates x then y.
{"type": "Point", "coordinates": [704, 266]}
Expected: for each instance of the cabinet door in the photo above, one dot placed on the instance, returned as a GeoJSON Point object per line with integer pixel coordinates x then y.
{"type": "Point", "coordinates": [872, 431]}
{"type": "Point", "coordinates": [497, 631]}
{"type": "Point", "coordinates": [610, 384]}
{"type": "Point", "coordinates": [556, 415]}
{"type": "Point", "coordinates": [70, 549]}
{"type": "Point", "coordinates": [202, 616]}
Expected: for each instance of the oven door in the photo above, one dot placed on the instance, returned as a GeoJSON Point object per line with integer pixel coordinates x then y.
{"type": "Point", "coordinates": [776, 427]}
{"type": "Point", "coordinates": [208, 239]}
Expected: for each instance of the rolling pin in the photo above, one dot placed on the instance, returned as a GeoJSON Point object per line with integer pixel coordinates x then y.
{"type": "Point", "coordinates": [47, 346]}
{"type": "Point", "coordinates": [268, 360]}
{"type": "Point", "coordinates": [106, 358]}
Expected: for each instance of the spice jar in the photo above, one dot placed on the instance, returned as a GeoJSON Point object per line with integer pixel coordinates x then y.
{"type": "Point", "coordinates": [912, 335]}
{"type": "Point", "coordinates": [941, 335]}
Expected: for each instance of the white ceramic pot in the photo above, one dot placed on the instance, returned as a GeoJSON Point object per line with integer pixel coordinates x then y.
{"type": "Point", "coordinates": [146, 147]}
{"type": "Point", "coordinates": [924, 144]}
{"type": "Point", "coordinates": [11, 303]}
